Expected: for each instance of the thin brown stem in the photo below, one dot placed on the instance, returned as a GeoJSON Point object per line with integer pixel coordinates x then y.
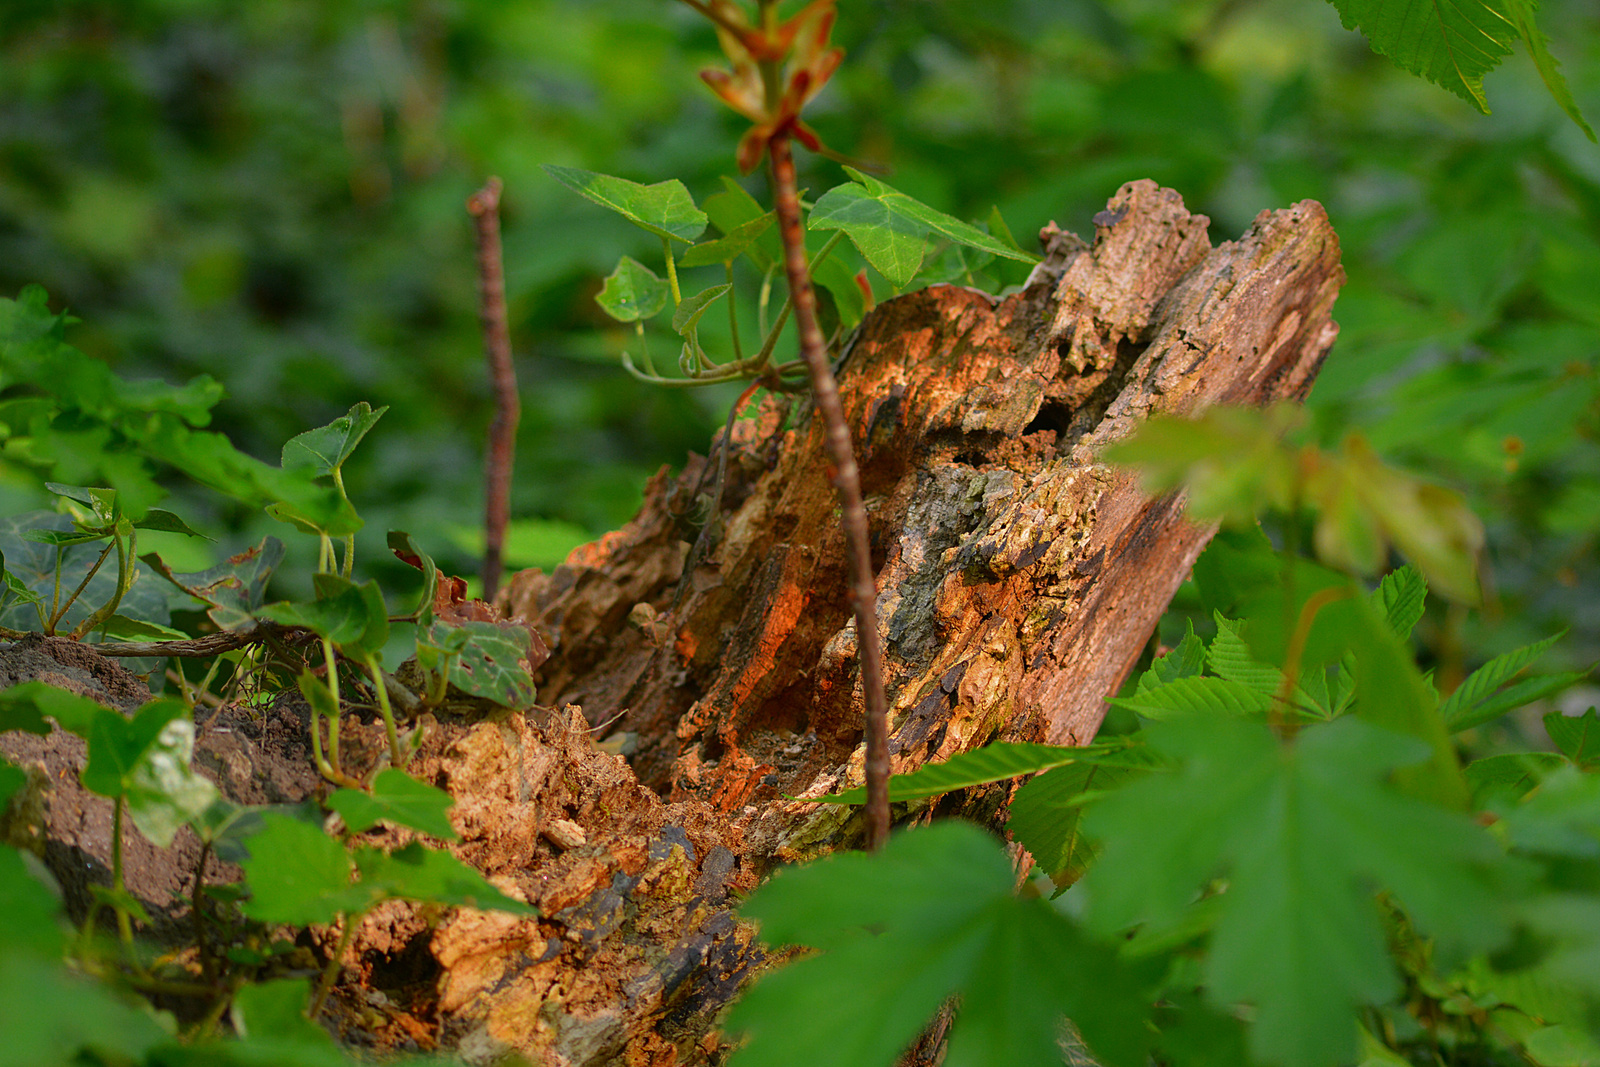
{"type": "Point", "coordinates": [484, 206]}
{"type": "Point", "coordinates": [846, 480]}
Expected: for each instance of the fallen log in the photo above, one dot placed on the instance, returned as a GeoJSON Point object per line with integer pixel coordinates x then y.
{"type": "Point", "coordinates": [1018, 580]}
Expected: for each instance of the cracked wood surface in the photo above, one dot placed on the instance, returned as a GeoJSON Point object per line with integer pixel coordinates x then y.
{"type": "Point", "coordinates": [1018, 578]}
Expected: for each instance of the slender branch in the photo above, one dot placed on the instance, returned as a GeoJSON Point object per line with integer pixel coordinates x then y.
{"type": "Point", "coordinates": [194, 648]}
{"type": "Point", "coordinates": [846, 479]}
{"type": "Point", "coordinates": [484, 205]}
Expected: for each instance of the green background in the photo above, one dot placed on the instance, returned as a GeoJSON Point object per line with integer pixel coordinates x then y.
{"type": "Point", "coordinates": [272, 193]}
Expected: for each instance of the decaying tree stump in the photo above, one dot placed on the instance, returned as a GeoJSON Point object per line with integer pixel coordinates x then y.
{"type": "Point", "coordinates": [1018, 581]}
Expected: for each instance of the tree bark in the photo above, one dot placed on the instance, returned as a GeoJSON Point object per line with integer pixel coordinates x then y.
{"type": "Point", "coordinates": [1018, 580]}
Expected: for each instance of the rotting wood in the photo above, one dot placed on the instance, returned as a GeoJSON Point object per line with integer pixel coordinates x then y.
{"type": "Point", "coordinates": [1018, 580]}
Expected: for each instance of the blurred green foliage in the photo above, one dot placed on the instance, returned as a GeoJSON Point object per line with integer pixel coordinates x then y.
{"type": "Point", "coordinates": [273, 194]}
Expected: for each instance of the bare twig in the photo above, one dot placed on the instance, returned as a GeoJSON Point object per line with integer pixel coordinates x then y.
{"type": "Point", "coordinates": [863, 589]}
{"type": "Point", "coordinates": [209, 645]}
{"type": "Point", "coordinates": [484, 206]}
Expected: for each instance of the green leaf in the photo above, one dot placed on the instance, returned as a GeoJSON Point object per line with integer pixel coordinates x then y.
{"type": "Point", "coordinates": [406, 549]}
{"type": "Point", "coordinates": [1195, 694]}
{"type": "Point", "coordinates": [400, 799]}
{"type": "Point", "coordinates": [930, 917]}
{"type": "Point", "coordinates": [1513, 773]}
{"type": "Point", "coordinates": [298, 874]}
{"type": "Point", "coordinates": [731, 245]}
{"type": "Point", "coordinates": [324, 450]}
{"type": "Point", "coordinates": [352, 616]}
{"type": "Point", "coordinates": [1522, 12]}
{"type": "Point", "coordinates": [665, 208]}
{"type": "Point", "coordinates": [1232, 461]}
{"type": "Point", "coordinates": [146, 761]}
{"type": "Point", "coordinates": [732, 208]}
{"type": "Point", "coordinates": [991, 763]}
{"type": "Point", "coordinates": [24, 706]}
{"type": "Point", "coordinates": [891, 229]}
{"type": "Point", "coordinates": [1577, 736]}
{"type": "Point", "coordinates": [52, 1016]}
{"type": "Point", "coordinates": [318, 695]}
{"type": "Point", "coordinates": [488, 664]}
{"type": "Point", "coordinates": [1452, 45]}
{"type": "Point", "coordinates": [1517, 695]}
{"type": "Point", "coordinates": [1480, 685]}
{"type": "Point", "coordinates": [632, 292]}
{"type": "Point", "coordinates": [167, 522]}
{"type": "Point", "coordinates": [1290, 826]}
{"type": "Point", "coordinates": [1404, 595]}
{"type": "Point", "coordinates": [30, 915]}
{"type": "Point", "coordinates": [1184, 661]}
{"type": "Point", "coordinates": [687, 317]}
{"type": "Point", "coordinates": [1047, 816]}
{"type": "Point", "coordinates": [416, 872]}
{"type": "Point", "coordinates": [273, 1029]}
{"type": "Point", "coordinates": [233, 589]}
{"type": "Point", "coordinates": [121, 628]}
{"type": "Point", "coordinates": [1000, 231]}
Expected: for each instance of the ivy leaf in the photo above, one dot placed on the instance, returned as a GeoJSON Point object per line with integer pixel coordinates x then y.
{"type": "Point", "coordinates": [729, 246]}
{"type": "Point", "coordinates": [406, 549]}
{"type": "Point", "coordinates": [1452, 45]}
{"type": "Point", "coordinates": [416, 872]}
{"type": "Point", "coordinates": [687, 317]}
{"type": "Point", "coordinates": [298, 874]}
{"type": "Point", "coordinates": [1290, 826]}
{"type": "Point", "coordinates": [632, 292]}
{"type": "Point", "coordinates": [665, 208]}
{"type": "Point", "coordinates": [489, 663]}
{"type": "Point", "coordinates": [1577, 736]}
{"type": "Point", "coordinates": [324, 450]}
{"type": "Point", "coordinates": [273, 1028]}
{"type": "Point", "coordinates": [24, 706]}
{"type": "Point", "coordinates": [146, 762]}
{"type": "Point", "coordinates": [166, 522]}
{"type": "Point", "coordinates": [891, 229]}
{"type": "Point", "coordinates": [233, 589]}
{"type": "Point", "coordinates": [930, 917]}
{"type": "Point", "coordinates": [400, 799]}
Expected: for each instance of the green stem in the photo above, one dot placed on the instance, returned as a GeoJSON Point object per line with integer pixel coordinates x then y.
{"type": "Point", "coordinates": [125, 558]}
{"type": "Point", "coordinates": [124, 923]}
{"type": "Point", "coordinates": [396, 759]}
{"type": "Point", "coordinates": [672, 271]}
{"type": "Point", "coordinates": [331, 971]}
{"type": "Point", "coordinates": [733, 314]}
{"type": "Point", "coordinates": [60, 607]}
{"type": "Point", "coordinates": [1284, 698]}
{"type": "Point", "coordinates": [333, 720]}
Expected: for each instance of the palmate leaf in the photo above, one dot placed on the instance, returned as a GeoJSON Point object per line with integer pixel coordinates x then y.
{"type": "Point", "coordinates": [665, 208]}
{"type": "Point", "coordinates": [1290, 826]}
{"type": "Point", "coordinates": [930, 917]}
{"type": "Point", "coordinates": [1452, 45]}
{"type": "Point", "coordinates": [1047, 815]}
{"type": "Point", "coordinates": [1522, 12]}
{"type": "Point", "coordinates": [1196, 694]}
{"type": "Point", "coordinates": [1404, 595]}
{"type": "Point", "coordinates": [1186, 660]}
{"type": "Point", "coordinates": [991, 763]}
{"type": "Point", "coordinates": [1577, 736]}
{"type": "Point", "coordinates": [892, 230]}
{"type": "Point", "coordinates": [1464, 708]}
